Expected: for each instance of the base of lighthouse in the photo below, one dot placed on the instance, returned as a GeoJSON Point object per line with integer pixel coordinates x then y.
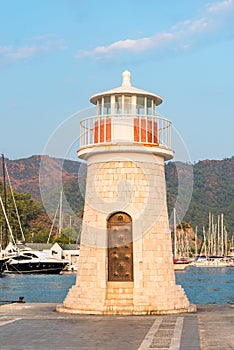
{"type": "Point", "coordinates": [126, 264]}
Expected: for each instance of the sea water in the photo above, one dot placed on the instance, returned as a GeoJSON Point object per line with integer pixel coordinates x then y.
{"type": "Point", "coordinates": [203, 285]}
{"type": "Point", "coordinates": [35, 288]}
{"type": "Point", "coordinates": [208, 285]}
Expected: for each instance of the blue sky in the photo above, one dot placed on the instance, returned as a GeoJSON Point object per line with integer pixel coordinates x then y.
{"type": "Point", "coordinates": [54, 54]}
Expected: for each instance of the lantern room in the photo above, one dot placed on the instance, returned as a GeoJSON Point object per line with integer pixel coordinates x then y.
{"type": "Point", "coordinates": [126, 115]}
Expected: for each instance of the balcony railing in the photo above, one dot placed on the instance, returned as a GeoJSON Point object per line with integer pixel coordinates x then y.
{"type": "Point", "coordinates": [140, 129]}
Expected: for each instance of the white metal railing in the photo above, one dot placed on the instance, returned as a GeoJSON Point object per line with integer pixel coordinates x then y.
{"type": "Point", "coordinates": [106, 129]}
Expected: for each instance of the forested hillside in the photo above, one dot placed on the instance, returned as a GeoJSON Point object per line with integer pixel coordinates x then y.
{"type": "Point", "coordinates": [34, 179]}
{"type": "Point", "coordinates": [213, 191]}
{"type": "Point", "coordinates": [33, 218]}
{"type": "Point", "coordinates": [24, 173]}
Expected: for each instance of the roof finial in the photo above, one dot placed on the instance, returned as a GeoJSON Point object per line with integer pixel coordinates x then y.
{"type": "Point", "coordinates": [126, 78]}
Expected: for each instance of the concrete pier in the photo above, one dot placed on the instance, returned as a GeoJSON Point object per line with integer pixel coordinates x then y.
{"type": "Point", "coordinates": [37, 326]}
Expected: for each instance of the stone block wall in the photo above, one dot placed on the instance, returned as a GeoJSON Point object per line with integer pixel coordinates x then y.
{"type": "Point", "coordinates": [138, 189]}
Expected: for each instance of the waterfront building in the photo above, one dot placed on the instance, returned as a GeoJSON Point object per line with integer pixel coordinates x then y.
{"type": "Point", "coordinates": [125, 262]}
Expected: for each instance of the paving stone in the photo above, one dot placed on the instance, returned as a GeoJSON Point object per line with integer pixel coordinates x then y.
{"type": "Point", "coordinates": [39, 327]}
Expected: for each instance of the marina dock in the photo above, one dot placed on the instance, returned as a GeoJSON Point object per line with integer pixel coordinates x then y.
{"type": "Point", "coordinates": [37, 326]}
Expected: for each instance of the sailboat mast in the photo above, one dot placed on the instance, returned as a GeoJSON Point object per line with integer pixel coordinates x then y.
{"type": "Point", "coordinates": [60, 212]}
{"type": "Point", "coordinates": [222, 238]}
{"type": "Point", "coordinates": [209, 236]}
{"type": "Point", "coordinates": [218, 243]}
{"type": "Point", "coordinates": [196, 241]}
{"type": "Point", "coordinates": [204, 237]}
{"type": "Point", "coordinates": [226, 241]}
{"type": "Point", "coordinates": [175, 238]}
{"type": "Point", "coordinates": [5, 239]}
{"type": "Point", "coordinates": [15, 205]}
{"type": "Point", "coordinates": [7, 221]}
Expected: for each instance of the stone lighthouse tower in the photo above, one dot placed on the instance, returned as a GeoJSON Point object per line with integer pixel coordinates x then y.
{"type": "Point", "coordinates": [125, 263]}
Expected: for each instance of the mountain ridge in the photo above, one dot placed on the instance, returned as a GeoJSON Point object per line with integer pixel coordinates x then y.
{"type": "Point", "coordinates": [24, 173]}
{"type": "Point", "coordinates": [213, 189]}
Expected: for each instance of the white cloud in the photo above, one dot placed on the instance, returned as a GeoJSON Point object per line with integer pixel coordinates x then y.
{"type": "Point", "coordinates": [199, 25]}
{"type": "Point", "coordinates": [220, 6]}
{"type": "Point", "coordinates": [5, 49]}
{"type": "Point", "coordinates": [215, 17]}
{"type": "Point", "coordinates": [135, 46]}
{"type": "Point", "coordinates": [34, 47]}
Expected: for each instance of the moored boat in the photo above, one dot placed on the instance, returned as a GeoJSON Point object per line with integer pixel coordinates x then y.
{"type": "Point", "coordinates": [213, 261]}
{"type": "Point", "coordinates": [2, 264]}
{"type": "Point", "coordinates": [35, 262]}
{"type": "Point", "coordinates": [181, 263]}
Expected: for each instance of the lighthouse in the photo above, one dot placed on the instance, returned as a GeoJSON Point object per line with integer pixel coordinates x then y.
{"type": "Point", "coordinates": [125, 264]}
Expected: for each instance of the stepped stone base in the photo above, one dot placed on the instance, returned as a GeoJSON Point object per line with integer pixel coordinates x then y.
{"type": "Point", "coordinates": [122, 299]}
{"type": "Point", "coordinates": [128, 311]}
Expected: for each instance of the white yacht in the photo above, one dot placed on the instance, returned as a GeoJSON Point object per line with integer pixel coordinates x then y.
{"type": "Point", "coordinates": [30, 261]}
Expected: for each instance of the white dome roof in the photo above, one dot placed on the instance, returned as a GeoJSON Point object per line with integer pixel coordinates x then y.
{"type": "Point", "coordinates": [126, 88]}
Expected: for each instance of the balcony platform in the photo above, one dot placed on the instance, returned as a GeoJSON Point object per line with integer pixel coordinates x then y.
{"type": "Point", "coordinates": [131, 133]}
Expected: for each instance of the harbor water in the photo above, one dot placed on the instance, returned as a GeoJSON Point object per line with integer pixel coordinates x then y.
{"type": "Point", "coordinates": [208, 285]}
{"type": "Point", "coordinates": [202, 285]}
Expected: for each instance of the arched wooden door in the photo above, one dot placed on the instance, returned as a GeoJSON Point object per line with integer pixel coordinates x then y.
{"type": "Point", "coordinates": [120, 247]}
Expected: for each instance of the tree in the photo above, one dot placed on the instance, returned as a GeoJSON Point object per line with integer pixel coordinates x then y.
{"type": "Point", "coordinates": [62, 239]}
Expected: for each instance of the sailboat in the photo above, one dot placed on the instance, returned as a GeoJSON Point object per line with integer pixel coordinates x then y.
{"type": "Point", "coordinates": [2, 264]}
{"type": "Point", "coordinates": [60, 208]}
{"type": "Point", "coordinates": [3, 257]}
{"type": "Point", "coordinates": [18, 258]}
{"type": "Point", "coordinates": [214, 250]}
{"type": "Point", "coordinates": [180, 263]}
{"type": "Point", "coordinates": [2, 261]}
